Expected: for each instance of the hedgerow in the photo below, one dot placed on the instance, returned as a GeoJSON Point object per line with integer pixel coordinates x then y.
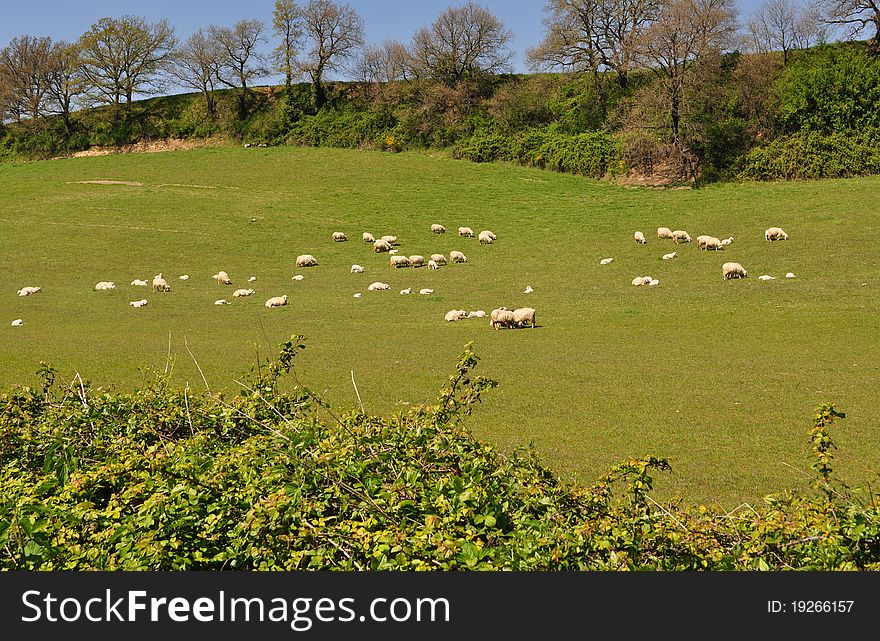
{"type": "Point", "coordinates": [163, 479]}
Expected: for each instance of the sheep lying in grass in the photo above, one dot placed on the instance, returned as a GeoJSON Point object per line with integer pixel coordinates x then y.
{"type": "Point", "coordinates": [775, 233]}
{"type": "Point", "coordinates": [27, 291]}
{"type": "Point", "coordinates": [457, 257]}
{"type": "Point", "coordinates": [438, 229]}
{"type": "Point", "coordinates": [160, 284]}
{"type": "Point", "coordinates": [766, 277]}
{"type": "Point", "coordinates": [479, 313]}
{"type": "Point", "coordinates": [394, 252]}
{"type": "Point", "coordinates": [298, 277]}
{"type": "Point", "coordinates": [426, 292]}
{"type": "Point", "coordinates": [183, 277]}
{"type": "Point", "coordinates": [416, 261]}
{"type": "Point", "coordinates": [638, 281]}
{"type": "Point", "coordinates": [455, 315]}
{"type": "Point", "coordinates": [277, 301]}
{"type": "Point", "coordinates": [727, 241]}
{"type": "Point", "coordinates": [606, 261]}
{"type": "Point", "coordinates": [664, 232]}
{"type": "Point", "coordinates": [640, 238]}
{"type": "Point", "coordinates": [381, 246]}
{"type": "Point", "coordinates": [222, 301]}
{"type": "Point", "coordinates": [368, 237]}
{"type": "Point", "coordinates": [306, 260]}
{"type": "Point", "coordinates": [243, 293]}
{"type": "Point", "coordinates": [139, 283]}
{"type": "Point", "coordinates": [399, 261]}
{"type": "Point", "coordinates": [528, 290]}
{"type": "Point", "coordinates": [465, 231]}
{"type": "Point", "coordinates": [357, 269]}
{"type": "Point", "coordinates": [524, 317]}
{"type": "Point", "coordinates": [406, 292]}
{"type": "Point", "coordinates": [501, 317]}
{"type": "Point", "coordinates": [105, 285]}
{"type": "Point", "coordinates": [790, 275]}
{"type": "Point", "coordinates": [733, 270]}
{"type": "Point", "coordinates": [669, 256]}
{"type": "Point", "coordinates": [378, 287]}
{"type": "Point", "coordinates": [17, 322]}
{"type": "Point", "coordinates": [680, 236]}
{"type": "Point", "coordinates": [339, 237]}
{"type": "Point", "coordinates": [222, 278]}
{"type": "Point", "coordinates": [138, 303]}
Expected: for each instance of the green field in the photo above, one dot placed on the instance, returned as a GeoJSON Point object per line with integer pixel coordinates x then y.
{"type": "Point", "coordinates": [721, 377]}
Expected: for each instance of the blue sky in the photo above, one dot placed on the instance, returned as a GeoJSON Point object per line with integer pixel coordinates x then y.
{"type": "Point", "coordinates": [395, 19]}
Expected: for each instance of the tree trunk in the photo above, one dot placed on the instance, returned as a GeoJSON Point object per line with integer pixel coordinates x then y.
{"type": "Point", "coordinates": [320, 94]}
{"type": "Point", "coordinates": [600, 93]}
{"type": "Point", "coordinates": [623, 80]}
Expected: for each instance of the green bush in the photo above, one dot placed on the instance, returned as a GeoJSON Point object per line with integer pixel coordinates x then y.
{"type": "Point", "coordinates": [483, 147]}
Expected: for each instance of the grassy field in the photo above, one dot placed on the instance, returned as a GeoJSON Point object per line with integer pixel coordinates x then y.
{"type": "Point", "coordinates": [721, 377]}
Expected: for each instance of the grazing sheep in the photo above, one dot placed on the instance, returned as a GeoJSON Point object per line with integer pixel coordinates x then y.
{"type": "Point", "coordinates": [766, 277]}
{"type": "Point", "coordinates": [339, 237]}
{"type": "Point", "coordinates": [17, 322]}
{"type": "Point", "coordinates": [242, 293]}
{"type": "Point", "coordinates": [139, 283]}
{"type": "Point", "coordinates": [438, 229]}
{"type": "Point", "coordinates": [298, 277]}
{"type": "Point", "coordinates": [456, 315]}
{"type": "Point", "coordinates": [160, 284]}
{"type": "Point", "coordinates": [391, 240]}
{"type": "Point", "coordinates": [183, 277]}
{"type": "Point", "coordinates": [104, 285]}
{"type": "Point", "coordinates": [222, 278]}
{"type": "Point", "coordinates": [606, 261]}
{"type": "Point", "coordinates": [377, 287]}
{"type": "Point", "coordinates": [528, 290]}
{"type": "Point", "coordinates": [524, 316]}
{"type": "Point", "coordinates": [368, 237]}
{"type": "Point", "coordinates": [669, 256]}
{"type": "Point", "coordinates": [477, 314]}
{"type": "Point", "coordinates": [440, 259]}
{"type": "Point", "coordinates": [457, 257]}
{"type": "Point", "coordinates": [465, 231]}
{"type": "Point", "coordinates": [27, 291]}
{"type": "Point", "coordinates": [680, 236]}
{"type": "Point", "coordinates": [406, 292]}
{"type": "Point", "coordinates": [733, 270]}
{"type": "Point", "coordinates": [501, 317]}
{"type": "Point", "coordinates": [399, 261]}
{"type": "Point", "coordinates": [416, 261]}
{"type": "Point", "coordinates": [380, 246]}
{"type": "Point", "coordinates": [640, 238]}
{"type": "Point", "coordinates": [357, 269]}
{"type": "Point", "coordinates": [138, 303]}
{"type": "Point", "coordinates": [252, 279]}
{"type": "Point", "coordinates": [432, 264]}
{"type": "Point", "coordinates": [664, 232]}
{"type": "Point", "coordinates": [709, 243]}
{"type": "Point", "coordinates": [306, 260]}
{"type": "Point", "coordinates": [426, 292]}
{"type": "Point", "coordinates": [221, 302]}
{"type": "Point", "coordinates": [277, 301]}
{"type": "Point", "coordinates": [775, 233]}
{"type": "Point", "coordinates": [790, 275]}
{"type": "Point", "coordinates": [485, 238]}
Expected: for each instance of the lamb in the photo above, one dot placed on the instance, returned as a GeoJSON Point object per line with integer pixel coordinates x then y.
{"type": "Point", "coordinates": [727, 241]}
{"type": "Point", "coordinates": [775, 233]}
{"type": "Point", "coordinates": [358, 295]}
{"type": "Point", "coordinates": [642, 280]}
{"type": "Point", "coordinates": [27, 291]}
{"type": "Point", "coordinates": [528, 290]}
{"type": "Point", "coordinates": [766, 277]}
{"type": "Point", "coordinates": [680, 236]}
{"type": "Point", "coordinates": [669, 256]}
{"type": "Point", "coordinates": [368, 237]}
{"type": "Point", "coordinates": [339, 237]}
{"type": "Point", "coordinates": [664, 232]}
{"type": "Point", "coordinates": [654, 282]}
{"type": "Point", "coordinates": [456, 315]}
{"type": "Point", "coordinates": [399, 261]}
{"type": "Point", "coordinates": [640, 238]}
{"type": "Point", "coordinates": [432, 264]}
{"type": "Point", "coordinates": [438, 229]}
{"type": "Point", "coordinates": [486, 238]}
{"type": "Point", "coordinates": [222, 301]}
{"type": "Point", "coordinates": [380, 246]}
{"type": "Point", "coordinates": [377, 287]}
{"type": "Point", "coordinates": [222, 278]}
{"type": "Point", "coordinates": [457, 257]}
{"type": "Point", "coordinates": [426, 292]}
{"type": "Point", "coordinates": [501, 317]}
{"type": "Point", "coordinates": [252, 279]}
{"type": "Point", "coordinates": [277, 301]}
{"type": "Point", "coordinates": [139, 283]}
{"type": "Point", "coordinates": [298, 277]}
{"type": "Point", "coordinates": [465, 231]}
{"type": "Point", "coordinates": [306, 260]}
{"type": "Point", "coordinates": [391, 240]}
{"type": "Point", "coordinates": [394, 252]}
{"type": "Point", "coordinates": [790, 275]}
{"type": "Point", "coordinates": [160, 284]}
{"type": "Point", "coordinates": [17, 322]}
{"type": "Point", "coordinates": [733, 270]}
{"type": "Point", "coordinates": [243, 293]}
{"type": "Point", "coordinates": [440, 259]}
{"type": "Point", "coordinates": [524, 316]}
{"type": "Point", "coordinates": [416, 261]}
{"type": "Point", "coordinates": [138, 303]}
{"type": "Point", "coordinates": [184, 277]}
{"type": "Point", "coordinates": [606, 261]}
{"type": "Point", "coordinates": [477, 314]}
{"type": "Point", "coordinates": [357, 269]}
{"type": "Point", "coordinates": [406, 292]}
{"type": "Point", "coordinates": [105, 285]}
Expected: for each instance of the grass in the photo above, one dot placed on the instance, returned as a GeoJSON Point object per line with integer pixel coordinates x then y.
{"type": "Point", "coordinates": [721, 377]}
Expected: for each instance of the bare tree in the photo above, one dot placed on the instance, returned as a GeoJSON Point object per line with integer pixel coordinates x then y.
{"type": "Point", "coordinates": [23, 65]}
{"type": "Point", "coordinates": [855, 17]}
{"type": "Point", "coordinates": [383, 63]}
{"type": "Point", "coordinates": [462, 42]}
{"type": "Point", "coordinates": [125, 56]}
{"type": "Point", "coordinates": [240, 61]}
{"type": "Point", "coordinates": [287, 21]}
{"type": "Point", "coordinates": [782, 25]}
{"type": "Point", "coordinates": [195, 65]}
{"type": "Point", "coordinates": [334, 32]}
{"type": "Point", "coordinates": [684, 32]}
{"type": "Point", "coordinates": [64, 81]}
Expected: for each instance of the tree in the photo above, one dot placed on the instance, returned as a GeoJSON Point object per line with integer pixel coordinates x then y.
{"type": "Point", "coordinates": [782, 25]}
{"type": "Point", "coordinates": [125, 56]}
{"type": "Point", "coordinates": [684, 32]}
{"type": "Point", "coordinates": [64, 81]}
{"type": "Point", "coordinates": [383, 63]}
{"type": "Point", "coordinates": [287, 21]}
{"type": "Point", "coordinates": [23, 65]}
{"type": "Point", "coordinates": [462, 42]}
{"type": "Point", "coordinates": [239, 60]}
{"type": "Point", "coordinates": [195, 65]}
{"type": "Point", "coordinates": [335, 32]}
{"type": "Point", "coordinates": [855, 16]}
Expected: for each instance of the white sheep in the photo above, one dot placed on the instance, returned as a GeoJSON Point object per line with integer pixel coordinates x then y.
{"type": "Point", "coordinates": [456, 315]}
{"type": "Point", "coordinates": [27, 291]}
{"type": "Point", "coordinates": [160, 284]}
{"type": "Point", "coordinates": [528, 290]}
{"type": "Point", "coordinates": [394, 252]}
{"type": "Point", "coordinates": [358, 295]}
{"type": "Point", "coordinates": [391, 240]}
{"type": "Point", "coordinates": [406, 292]}
{"type": "Point", "coordinates": [377, 287]}
{"type": "Point", "coordinates": [426, 292]}
{"type": "Point", "coordinates": [775, 233]}
{"type": "Point", "coordinates": [17, 322]}
{"type": "Point", "coordinates": [790, 275]}
{"type": "Point", "coordinates": [139, 283]}
{"type": "Point", "coordinates": [183, 277]}
{"type": "Point", "coordinates": [479, 313]}
{"type": "Point", "coordinates": [368, 237]}
{"type": "Point", "coordinates": [438, 229]}
{"type": "Point", "coordinates": [357, 269]}
{"type": "Point", "coordinates": [680, 236]}
{"type": "Point", "coordinates": [277, 301]}
{"type": "Point", "coordinates": [222, 278]}
{"type": "Point", "coordinates": [252, 279]}
{"type": "Point", "coordinates": [733, 270]}
{"type": "Point", "coordinates": [306, 260]}
{"type": "Point", "coordinates": [465, 231]}
{"type": "Point", "coordinates": [727, 241]}
{"type": "Point", "coordinates": [486, 237]}
{"type": "Point", "coordinates": [664, 232]}
{"type": "Point", "coordinates": [709, 243]}
{"type": "Point", "coordinates": [640, 238]}
{"type": "Point", "coordinates": [766, 277]}
{"type": "Point", "coordinates": [105, 285]}
{"type": "Point", "coordinates": [243, 293]}
{"type": "Point", "coordinates": [501, 317]}
{"type": "Point", "coordinates": [339, 237]}
{"type": "Point", "coordinates": [654, 282]}
{"type": "Point", "coordinates": [381, 246]}
{"type": "Point", "coordinates": [138, 303]}
{"type": "Point", "coordinates": [606, 261]}
{"type": "Point", "coordinates": [298, 277]}
{"type": "Point", "coordinates": [457, 257]}
{"type": "Point", "coordinates": [399, 261]}
{"type": "Point", "coordinates": [669, 256]}
{"type": "Point", "coordinates": [416, 261]}
{"type": "Point", "coordinates": [524, 316]}
{"type": "Point", "coordinates": [222, 301]}
{"type": "Point", "coordinates": [432, 264]}
{"type": "Point", "coordinates": [440, 259]}
{"type": "Point", "coordinates": [642, 280]}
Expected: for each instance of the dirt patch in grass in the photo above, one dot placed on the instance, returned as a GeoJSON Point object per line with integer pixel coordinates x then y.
{"type": "Point", "coordinates": [150, 146]}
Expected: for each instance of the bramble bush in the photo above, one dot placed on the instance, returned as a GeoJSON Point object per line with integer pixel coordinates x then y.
{"type": "Point", "coordinates": [163, 479]}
